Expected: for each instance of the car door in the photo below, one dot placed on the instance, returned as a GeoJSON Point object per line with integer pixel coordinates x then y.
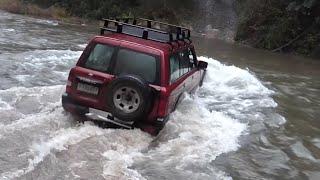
{"type": "Point", "coordinates": [184, 75]}
{"type": "Point", "coordinates": [177, 82]}
{"type": "Point", "coordinates": [196, 74]}
{"type": "Point", "coordinates": [188, 70]}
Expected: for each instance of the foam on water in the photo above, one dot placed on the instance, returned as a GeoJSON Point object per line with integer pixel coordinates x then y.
{"type": "Point", "coordinates": [123, 146]}
{"type": "Point", "coordinates": [29, 107]}
{"type": "Point", "coordinates": [82, 46]}
{"type": "Point", "coordinates": [41, 97]}
{"type": "Point", "coordinates": [38, 68]}
{"type": "Point", "coordinates": [193, 138]}
{"type": "Point", "coordinates": [9, 30]}
{"type": "Point", "coordinates": [48, 22]}
{"type": "Point", "coordinates": [230, 81]}
{"type": "Point", "coordinates": [119, 155]}
{"type": "Point", "coordinates": [52, 59]}
{"type": "Point", "coordinates": [239, 94]}
{"type": "Point", "coordinates": [198, 132]}
{"type": "Point", "coordinates": [207, 125]}
{"type": "Point", "coordinates": [59, 141]}
{"type": "Point", "coordinates": [4, 105]}
{"type": "Point", "coordinates": [204, 126]}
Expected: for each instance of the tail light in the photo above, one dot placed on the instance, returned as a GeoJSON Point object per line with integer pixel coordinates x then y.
{"type": "Point", "coordinates": [69, 83]}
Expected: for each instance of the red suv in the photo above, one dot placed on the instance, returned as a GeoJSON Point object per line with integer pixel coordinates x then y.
{"type": "Point", "coordinates": [135, 75]}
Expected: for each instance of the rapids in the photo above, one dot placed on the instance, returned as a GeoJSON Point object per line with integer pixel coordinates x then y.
{"type": "Point", "coordinates": [217, 133]}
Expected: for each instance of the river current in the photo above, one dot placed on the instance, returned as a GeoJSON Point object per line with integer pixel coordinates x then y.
{"type": "Point", "coordinates": [256, 116]}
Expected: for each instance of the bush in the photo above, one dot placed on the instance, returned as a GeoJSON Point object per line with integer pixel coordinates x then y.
{"type": "Point", "coordinates": [270, 24]}
{"type": "Point", "coordinates": [170, 10]}
{"type": "Point", "coordinates": [13, 6]}
{"type": "Point", "coordinates": [20, 7]}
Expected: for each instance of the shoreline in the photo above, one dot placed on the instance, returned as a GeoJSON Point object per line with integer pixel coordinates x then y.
{"type": "Point", "coordinates": [52, 13]}
{"type": "Point", "coordinates": [60, 15]}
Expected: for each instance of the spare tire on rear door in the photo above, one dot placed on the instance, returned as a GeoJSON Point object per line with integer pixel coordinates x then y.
{"type": "Point", "coordinates": [129, 97]}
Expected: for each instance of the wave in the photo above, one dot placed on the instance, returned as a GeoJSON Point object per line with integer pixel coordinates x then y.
{"type": "Point", "coordinates": [204, 126]}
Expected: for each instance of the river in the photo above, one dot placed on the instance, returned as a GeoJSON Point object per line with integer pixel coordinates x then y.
{"type": "Point", "coordinates": [256, 116]}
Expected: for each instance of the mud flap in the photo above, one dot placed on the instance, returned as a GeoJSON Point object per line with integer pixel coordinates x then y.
{"type": "Point", "coordinates": [202, 79]}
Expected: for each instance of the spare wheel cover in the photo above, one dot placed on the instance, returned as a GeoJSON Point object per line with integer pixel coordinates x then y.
{"type": "Point", "coordinates": [129, 98]}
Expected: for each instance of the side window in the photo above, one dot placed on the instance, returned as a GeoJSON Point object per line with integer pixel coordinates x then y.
{"type": "Point", "coordinates": [192, 58]}
{"type": "Point", "coordinates": [100, 57]}
{"type": "Point", "coordinates": [184, 62]}
{"type": "Point", "coordinates": [174, 68]}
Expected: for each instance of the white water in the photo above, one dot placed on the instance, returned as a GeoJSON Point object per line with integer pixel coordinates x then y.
{"type": "Point", "coordinates": [204, 126]}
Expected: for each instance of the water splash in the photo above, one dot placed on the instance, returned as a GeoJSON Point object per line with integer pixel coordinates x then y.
{"type": "Point", "coordinates": [204, 126]}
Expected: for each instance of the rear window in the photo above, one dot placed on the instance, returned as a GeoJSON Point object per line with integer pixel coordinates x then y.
{"type": "Point", "coordinates": [100, 57]}
{"type": "Point", "coordinates": [137, 63]}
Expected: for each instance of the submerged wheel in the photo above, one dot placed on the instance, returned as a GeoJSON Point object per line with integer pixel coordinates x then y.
{"type": "Point", "coordinates": [129, 98]}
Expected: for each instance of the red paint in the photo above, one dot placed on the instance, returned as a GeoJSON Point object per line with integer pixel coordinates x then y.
{"type": "Point", "coordinates": [168, 93]}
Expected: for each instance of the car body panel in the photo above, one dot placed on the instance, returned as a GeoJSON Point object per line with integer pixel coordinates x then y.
{"type": "Point", "coordinates": [167, 94]}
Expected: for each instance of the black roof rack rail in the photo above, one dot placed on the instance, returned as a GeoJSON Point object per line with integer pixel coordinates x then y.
{"type": "Point", "coordinates": [137, 29]}
{"type": "Point", "coordinates": [181, 32]}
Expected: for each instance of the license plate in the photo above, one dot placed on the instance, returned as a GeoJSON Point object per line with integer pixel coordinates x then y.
{"type": "Point", "coordinates": [87, 88]}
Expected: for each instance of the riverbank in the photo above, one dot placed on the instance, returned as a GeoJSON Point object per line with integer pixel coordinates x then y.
{"type": "Point", "coordinates": [18, 7]}
{"type": "Point", "coordinates": [280, 26]}
{"type": "Point", "coordinates": [268, 26]}
{"type": "Point", "coordinates": [273, 99]}
{"type": "Point", "coordinates": [33, 10]}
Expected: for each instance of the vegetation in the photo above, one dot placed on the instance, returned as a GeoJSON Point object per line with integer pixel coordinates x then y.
{"type": "Point", "coordinates": [171, 10]}
{"type": "Point", "coordinates": [280, 25]}
{"type": "Point", "coordinates": [17, 6]}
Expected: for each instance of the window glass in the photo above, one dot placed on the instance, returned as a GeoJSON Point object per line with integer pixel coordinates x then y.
{"type": "Point", "coordinates": [100, 57]}
{"type": "Point", "coordinates": [131, 62]}
{"type": "Point", "coordinates": [191, 59]}
{"type": "Point", "coordinates": [174, 68]}
{"type": "Point", "coordinates": [184, 62]}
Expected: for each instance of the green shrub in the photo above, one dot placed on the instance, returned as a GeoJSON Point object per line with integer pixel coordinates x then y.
{"type": "Point", "coordinates": [271, 24]}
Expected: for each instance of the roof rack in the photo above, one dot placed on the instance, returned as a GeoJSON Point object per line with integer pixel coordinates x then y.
{"type": "Point", "coordinates": [146, 29]}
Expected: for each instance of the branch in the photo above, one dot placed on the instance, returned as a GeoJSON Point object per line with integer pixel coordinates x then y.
{"type": "Point", "coordinates": [293, 40]}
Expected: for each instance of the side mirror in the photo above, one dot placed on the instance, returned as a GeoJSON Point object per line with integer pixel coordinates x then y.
{"type": "Point", "coordinates": [202, 65]}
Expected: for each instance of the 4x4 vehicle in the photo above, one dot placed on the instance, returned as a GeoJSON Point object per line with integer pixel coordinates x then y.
{"type": "Point", "coordinates": [135, 75]}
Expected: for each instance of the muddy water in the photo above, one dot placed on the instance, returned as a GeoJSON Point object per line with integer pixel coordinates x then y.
{"type": "Point", "coordinates": [255, 116]}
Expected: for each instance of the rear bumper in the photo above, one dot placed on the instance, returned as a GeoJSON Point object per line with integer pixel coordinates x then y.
{"type": "Point", "coordinates": [71, 106]}
{"type": "Point", "coordinates": [74, 108]}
